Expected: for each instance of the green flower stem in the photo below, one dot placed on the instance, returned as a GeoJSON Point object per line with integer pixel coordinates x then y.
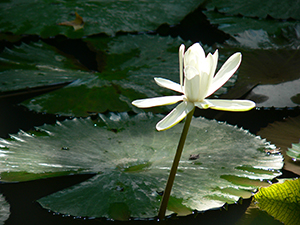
{"type": "Point", "coordinates": [167, 192]}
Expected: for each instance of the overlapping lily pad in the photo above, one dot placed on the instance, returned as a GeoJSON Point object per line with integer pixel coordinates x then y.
{"type": "Point", "coordinates": [251, 26]}
{"type": "Point", "coordinates": [99, 16]}
{"type": "Point", "coordinates": [281, 200]}
{"type": "Point", "coordinates": [283, 134]}
{"type": "Point", "coordinates": [37, 64]}
{"type": "Point", "coordinates": [133, 160]}
{"type": "Point", "coordinates": [128, 65]}
{"type": "Point", "coordinates": [276, 9]}
{"type": "Point", "coordinates": [294, 151]}
{"type": "Point", "coordinates": [268, 77]}
{"type": "Point", "coordinates": [237, 25]}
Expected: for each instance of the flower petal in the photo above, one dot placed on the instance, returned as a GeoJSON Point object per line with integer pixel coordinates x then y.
{"type": "Point", "coordinates": [231, 105]}
{"type": "Point", "coordinates": [205, 104]}
{"type": "Point", "coordinates": [215, 57]}
{"type": "Point", "coordinates": [181, 55]}
{"type": "Point", "coordinates": [175, 116]}
{"type": "Point", "coordinates": [206, 76]}
{"type": "Point", "coordinates": [165, 83]}
{"type": "Point", "coordinates": [158, 101]}
{"type": "Point", "coordinates": [226, 71]}
{"type": "Point", "coordinates": [194, 56]}
{"type": "Point", "coordinates": [192, 83]}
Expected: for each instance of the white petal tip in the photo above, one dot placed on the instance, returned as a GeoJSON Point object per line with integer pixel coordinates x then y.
{"type": "Point", "coordinates": [232, 105]}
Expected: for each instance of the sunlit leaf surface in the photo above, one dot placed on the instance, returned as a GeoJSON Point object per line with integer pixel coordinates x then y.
{"type": "Point", "coordinates": [128, 65]}
{"type": "Point", "coordinates": [283, 134]}
{"type": "Point", "coordinates": [4, 209]}
{"type": "Point", "coordinates": [100, 16]}
{"type": "Point", "coordinates": [133, 160]}
{"type": "Point", "coordinates": [281, 201]}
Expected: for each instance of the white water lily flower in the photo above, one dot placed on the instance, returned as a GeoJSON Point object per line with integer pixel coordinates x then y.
{"type": "Point", "coordinates": [199, 83]}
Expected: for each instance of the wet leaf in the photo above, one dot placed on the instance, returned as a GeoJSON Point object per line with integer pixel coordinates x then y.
{"type": "Point", "coordinates": [77, 24]}
{"type": "Point", "coordinates": [277, 95]}
{"type": "Point", "coordinates": [269, 77]}
{"type": "Point", "coordinates": [236, 25]}
{"type": "Point", "coordinates": [42, 17]}
{"type": "Point", "coordinates": [133, 160]}
{"type": "Point", "coordinates": [37, 64]}
{"type": "Point", "coordinates": [255, 8]}
{"type": "Point", "coordinates": [281, 200]}
{"type": "Point", "coordinates": [128, 65]}
{"type": "Point", "coordinates": [283, 134]}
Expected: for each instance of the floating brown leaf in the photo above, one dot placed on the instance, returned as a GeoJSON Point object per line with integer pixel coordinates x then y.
{"type": "Point", "coordinates": [77, 24]}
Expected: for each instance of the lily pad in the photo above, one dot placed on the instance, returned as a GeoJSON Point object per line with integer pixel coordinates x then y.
{"type": "Point", "coordinates": [269, 77]}
{"type": "Point", "coordinates": [37, 64]}
{"type": "Point", "coordinates": [4, 209]}
{"type": "Point", "coordinates": [286, 38]}
{"type": "Point", "coordinates": [256, 8]}
{"type": "Point", "coordinates": [237, 25]}
{"type": "Point", "coordinates": [278, 95]}
{"type": "Point", "coordinates": [255, 216]}
{"type": "Point", "coordinates": [283, 134]}
{"type": "Point", "coordinates": [133, 160]}
{"type": "Point", "coordinates": [99, 16]}
{"type": "Point", "coordinates": [281, 200]}
{"type": "Point", "coordinates": [128, 65]}
{"type": "Point", "coordinates": [294, 152]}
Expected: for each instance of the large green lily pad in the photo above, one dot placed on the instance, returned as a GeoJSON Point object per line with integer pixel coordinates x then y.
{"type": "Point", "coordinates": [100, 16]}
{"type": "Point", "coordinates": [133, 160]}
{"type": "Point", "coordinates": [128, 65]}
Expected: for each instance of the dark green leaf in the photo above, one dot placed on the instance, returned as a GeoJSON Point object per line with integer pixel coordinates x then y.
{"type": "Point", "coordinates": [100, 16]}
{"type": "Point", "coordinates": [128, 65]}
{"type": "Point", "coordinates": [234, 25]}
{"type": "Point", "coordinates": [36, 64]}
{"type": "Point", "coordinates": [275, 8]}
